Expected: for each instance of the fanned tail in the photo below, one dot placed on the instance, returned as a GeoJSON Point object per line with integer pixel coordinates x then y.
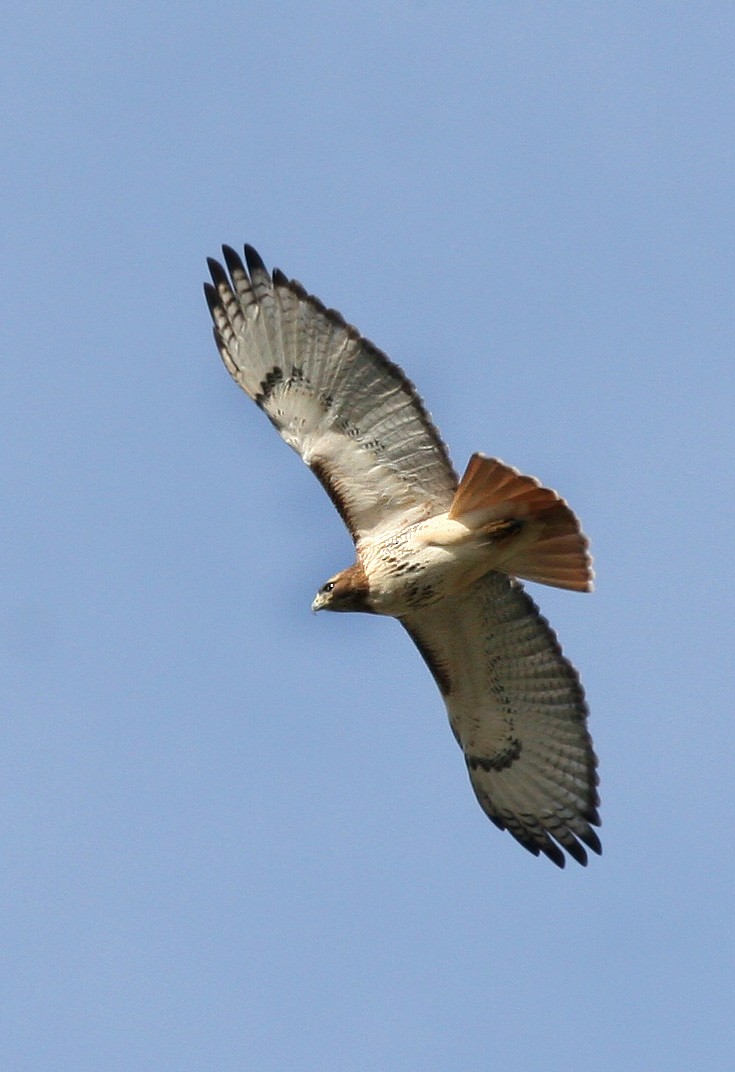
{"type": "Point", "coordinates": [549, 548]}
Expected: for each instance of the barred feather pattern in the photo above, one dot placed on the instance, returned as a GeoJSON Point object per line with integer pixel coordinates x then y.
{"type": "Point", "coordinates": [351, 414]}
{"type": "Point", "coordinates": [517, 710]}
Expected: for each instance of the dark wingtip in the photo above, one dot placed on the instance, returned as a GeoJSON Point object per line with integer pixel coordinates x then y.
{"type": "Point", "coordinates": [232, 259]}
{"type": "Point", "coordinates": [216, 271]}
{"type": "Point", "coordinates": [576, 851]}
{"type": "Point", "coordinates": [592, 842]}
{"type": "Point", "coordinates": [553, 852]}
{"type": "Point", "coordinates": [279, 278]}
{"type": "Point", "coordinates": [254, 260]}
{"type": "Point", "coordinates": [212, 297]}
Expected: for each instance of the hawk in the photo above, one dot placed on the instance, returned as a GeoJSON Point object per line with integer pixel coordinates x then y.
{"type": "Point", "coordinates": [442, 555]}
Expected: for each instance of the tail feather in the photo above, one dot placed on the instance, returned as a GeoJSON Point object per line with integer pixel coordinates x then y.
{"type": "Point", "coordinates": [551, 547]}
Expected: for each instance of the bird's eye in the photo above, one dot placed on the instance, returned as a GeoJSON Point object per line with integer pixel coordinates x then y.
{"type": "Point", "coordinates": [328, 587]}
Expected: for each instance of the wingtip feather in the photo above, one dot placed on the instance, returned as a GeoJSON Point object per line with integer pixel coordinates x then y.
{"type": "Point", "coordinates": [217, 272]}
{"type": "Point", "coordinates": [211, 297]}
{"type": "Point", "coordinates": [232, 259]}
{"type": "Point", "coordinates": [254, 261]}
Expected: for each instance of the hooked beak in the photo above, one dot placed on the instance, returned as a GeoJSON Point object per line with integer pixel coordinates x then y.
{"type": "Point", "coordinates": [318, 603]}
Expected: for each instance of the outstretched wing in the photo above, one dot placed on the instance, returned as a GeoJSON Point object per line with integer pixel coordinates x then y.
{"type": "Point", "coordinates": [517, 709]}
{"type": "Point", "coordinates": [351, 414]}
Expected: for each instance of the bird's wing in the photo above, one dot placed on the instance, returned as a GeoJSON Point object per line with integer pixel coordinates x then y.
{"type": "Point", "coordinates": [518, 712]}
{"type": "Point", "coordinates": [352, 415]}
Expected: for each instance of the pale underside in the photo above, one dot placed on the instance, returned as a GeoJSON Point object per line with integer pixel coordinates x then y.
{"type": "Point", "coordinates": [518, 712]}
{"type": "Point", "coordinates": [515, 703]}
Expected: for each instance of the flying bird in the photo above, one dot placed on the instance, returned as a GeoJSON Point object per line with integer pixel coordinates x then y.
{"type": "Point", "coordinates": [443, 556]}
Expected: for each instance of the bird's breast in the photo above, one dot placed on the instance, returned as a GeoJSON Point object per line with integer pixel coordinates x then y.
{"type": "Point", "coordinates": [405, 572]}
{"type": "Point", "coordinates": [427, 562]}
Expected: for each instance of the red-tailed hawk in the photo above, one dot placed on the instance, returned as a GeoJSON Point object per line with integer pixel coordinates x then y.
{"type": "Point", "coordinates": [440, 555]}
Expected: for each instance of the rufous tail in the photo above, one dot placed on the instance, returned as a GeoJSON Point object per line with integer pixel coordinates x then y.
{"type": "Point", "coordinates": [550, 547]}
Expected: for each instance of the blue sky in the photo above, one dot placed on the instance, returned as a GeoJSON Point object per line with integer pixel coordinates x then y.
{"type": "Point", "coordinates": [235, 835]}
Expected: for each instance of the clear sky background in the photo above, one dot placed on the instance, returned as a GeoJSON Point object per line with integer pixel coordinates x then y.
{"type": "Point", "coordinates": [238, 836]}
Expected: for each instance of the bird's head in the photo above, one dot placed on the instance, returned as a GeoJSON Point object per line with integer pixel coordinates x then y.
{"type": "Point", "coordinates": [348, 590]}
